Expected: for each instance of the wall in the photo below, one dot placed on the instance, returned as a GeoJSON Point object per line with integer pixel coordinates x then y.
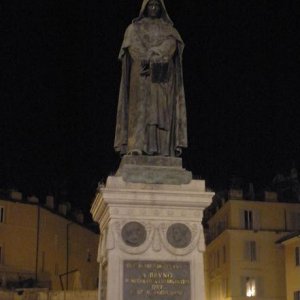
{"type": "Point", "coordinates": [292, 271]}
{"type": "Point", "coordinates": [62, 246]}
{"type": "Point", "coordinates": [54, 295]}
{"type": "Point", "coordinates": [18, 234]}
{"type": "Point", "coordinates": [225, 280]}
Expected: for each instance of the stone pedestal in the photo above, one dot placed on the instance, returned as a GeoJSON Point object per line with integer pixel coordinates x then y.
{"type": "Point", "coordinates": [152, 243]}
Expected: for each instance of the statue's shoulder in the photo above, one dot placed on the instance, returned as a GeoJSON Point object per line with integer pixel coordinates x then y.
{"type": "Point", "coordinates": [170, 30]}
{"type": "Point", "coordinates": [131, 29]}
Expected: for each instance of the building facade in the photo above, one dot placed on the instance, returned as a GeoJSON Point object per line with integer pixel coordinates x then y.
{"type": "Point", "coordinates": [39, 244]}
{"type": "Point", "coordinates": [291, 244]}
{"type": "Point", "coordinates": [243, 258]}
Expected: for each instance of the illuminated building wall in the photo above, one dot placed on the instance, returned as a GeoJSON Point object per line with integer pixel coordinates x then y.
{"type": "Point", "coordinates": [243, 259]}
{"type": "Point", "coordinates": [291, 244]}
{"type": "Point", "coordinates": [39, 243]}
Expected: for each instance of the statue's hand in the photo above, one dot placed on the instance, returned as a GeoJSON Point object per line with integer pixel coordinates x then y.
{"type": "Point", "coordinates": [145, 68]}
{"type": "Point", "coordinates": [155, 54]}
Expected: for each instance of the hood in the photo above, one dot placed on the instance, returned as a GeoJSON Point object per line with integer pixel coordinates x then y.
{"type": "Point", "coordinates": [164, 14]}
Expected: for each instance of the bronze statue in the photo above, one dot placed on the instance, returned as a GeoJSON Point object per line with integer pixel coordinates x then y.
{"type": "Point", "coordinates": [151, 116]}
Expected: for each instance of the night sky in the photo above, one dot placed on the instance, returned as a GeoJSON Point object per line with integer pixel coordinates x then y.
{"type": "Point", "coordinates": [60, 78]}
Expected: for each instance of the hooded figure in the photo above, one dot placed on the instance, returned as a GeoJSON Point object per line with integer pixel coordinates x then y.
{"type": "Point", "coordinates": [151, 116]}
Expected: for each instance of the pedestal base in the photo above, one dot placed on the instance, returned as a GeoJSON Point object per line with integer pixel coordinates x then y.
{"type": "Point", "coordinates": [153, 169]}
{"type": "Point", "coordinates": [151, 241]}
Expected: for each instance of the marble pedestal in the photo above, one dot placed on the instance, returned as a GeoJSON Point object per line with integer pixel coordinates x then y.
{"type": "Point", "coordinates": [151, 243]}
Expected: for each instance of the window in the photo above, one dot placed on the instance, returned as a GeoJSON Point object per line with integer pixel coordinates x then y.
{"type": "Point", "coordinates": [214, 260]}
{"type": "Point", "coordinates": [218, 259]}
{"type": "Point", "coordinates": [1, 255]}
{"type": "Point", "coordinates": [56, 241]}
{"type": "Point", "coordinates": [214, 231]}
{"type": "Point", "coordinates": [214, 264]}
{"type": "Point", "coordinates": [297, 225]}
{"type": "Point", "coordinates": [2, 214]}
{"type": "Point", "coordinates": [250, 251]}
{"type": "Point", "coordinates": [295, 220]}
{"type": "Point", "coordinates": [225, 287]}
{"type": "Point", "coordinates": [297, 295]}
{"type": "Point", "coordinates": [250, 287]}
{"type": "Point", "coordinates": [43, 261]}
{"type": "Point", "coordinates": [88, 256]}
{"type": "Point", "coordinates": [297, 256]}
{"type": "Point", "coordinates": [248, 219]}
{"type": "Point", "coordinates": [56, 269]}
{"type": "Point", "coordinates": [211, 261]}
{"type": "Point", "coordinates": [222, 225]}
{"type": "Point", "coordinates": [224, 254]}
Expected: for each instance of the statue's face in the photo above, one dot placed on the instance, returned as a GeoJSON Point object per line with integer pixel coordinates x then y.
{"type": "Point", "coordinates": [154, 9]}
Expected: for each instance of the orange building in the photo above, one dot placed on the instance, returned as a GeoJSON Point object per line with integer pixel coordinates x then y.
{"type": "Point", "coordinates": [40, 244]}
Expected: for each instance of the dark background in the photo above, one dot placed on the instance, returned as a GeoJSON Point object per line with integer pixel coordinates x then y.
{"type": "Point", "coordinates": [60, 79]}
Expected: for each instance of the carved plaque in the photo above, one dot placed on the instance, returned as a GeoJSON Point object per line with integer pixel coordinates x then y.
{"type": "Point", "coordinates": [134, 234]}
{"type": "Point", "coordinates": [179, 235]}
{"type": "Point", "coordinates": [156, 280]}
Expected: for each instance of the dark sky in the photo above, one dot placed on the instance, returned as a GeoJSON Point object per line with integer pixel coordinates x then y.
{"type": "Point", "coordinates": [60, 78]}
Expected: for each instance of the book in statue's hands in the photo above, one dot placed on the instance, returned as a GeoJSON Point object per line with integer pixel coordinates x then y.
{"type": "Point", "coordinates": [159, 72]}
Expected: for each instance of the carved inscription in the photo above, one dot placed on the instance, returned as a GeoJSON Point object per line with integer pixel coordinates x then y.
{"type": "Point", "coordinates": [156, 280]}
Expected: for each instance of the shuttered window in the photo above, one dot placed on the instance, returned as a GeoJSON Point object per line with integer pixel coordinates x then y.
{"type": "Point", "coordinates": [224, 254]}
{"type": "Point", "coordinates": [1, 255]}
{"type": "Point", "coordinates": [297, 256]}
{"type": "Point", "coordinates": [250, 251]}
{"type": "Point", "coordinates": [297, 295]}
{"type": "Point", "coordinates": [225, 287]}
{"type": "Point", "coordinates": [250, 219]}
{"type": "Point", "coordinates": [294, 221]}
{"type": "Point", "coordinates": [2, 211]}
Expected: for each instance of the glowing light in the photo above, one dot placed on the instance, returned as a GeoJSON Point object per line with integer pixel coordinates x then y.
{"type": "Point", "coordinates": [250, 288]}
